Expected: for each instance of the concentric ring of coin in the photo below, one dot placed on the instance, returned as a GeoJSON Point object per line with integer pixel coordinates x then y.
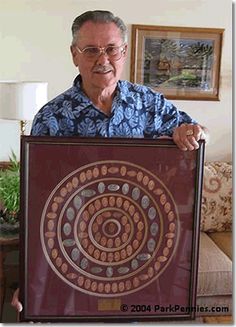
{"type": "Point", "coordinates": [109, 228]}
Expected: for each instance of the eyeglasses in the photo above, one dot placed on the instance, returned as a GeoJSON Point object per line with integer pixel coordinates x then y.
{"type": "Point", "coordinates": [113, 52]}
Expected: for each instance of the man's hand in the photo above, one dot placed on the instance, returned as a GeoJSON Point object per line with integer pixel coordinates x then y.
{"type": "Point", "coordinates": [15, 301]}
{"type": "Point", "coordinates": [186, 136]}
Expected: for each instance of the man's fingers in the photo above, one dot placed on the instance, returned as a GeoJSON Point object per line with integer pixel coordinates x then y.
{"type": "Point", "coordinates": [15, 301]}
{"type": "Point", "coordinates": [19, 307]}
{"type": "Point", "coordinates": [198, 132]}
{"type": "Point", "coordinates": [187, 136]}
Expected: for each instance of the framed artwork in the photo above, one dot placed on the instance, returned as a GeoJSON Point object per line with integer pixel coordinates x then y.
{"type": "Point", "coordinates": [180, 62]}
{"type": "Point", "coordinates": [109, 229]}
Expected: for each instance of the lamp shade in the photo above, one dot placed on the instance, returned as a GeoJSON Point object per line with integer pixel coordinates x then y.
{"type": "Point", "coordinates": [21, 100]}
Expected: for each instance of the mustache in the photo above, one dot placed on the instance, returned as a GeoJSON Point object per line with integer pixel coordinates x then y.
{"type": "Point", "coordinates": [102, 69]}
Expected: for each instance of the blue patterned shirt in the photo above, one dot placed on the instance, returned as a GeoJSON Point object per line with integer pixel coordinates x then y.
{"type": "Point", "coordinates": [137, 111]}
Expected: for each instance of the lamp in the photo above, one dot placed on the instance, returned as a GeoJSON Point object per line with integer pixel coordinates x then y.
{"type": "Point", "coordinates": [21, 100]}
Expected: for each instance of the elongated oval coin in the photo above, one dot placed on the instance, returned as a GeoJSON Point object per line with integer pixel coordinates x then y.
{"type": "Point", "coordinates": [145, 201]}
{"type": "Point", "coordinates": [113, 187]}
{"type": "Point", "coordinates": [84, 263]}
{"type": "Point", "coordinates": [123, 270]}
{"type": "Point", "coordinates": [77, 202]}
{"type": "Point", "coordinates": [101, 187]}
{"type": "Point", "coordinates": [75, 254]}
{"type": "Point", "coordinates": [67, 229]}
{"type": "Point", "coordinates": [152, 213]}
{"type": "Point", "coordinates": [154, 229]}
{"type": "Point", "coordinates": [136, 193]}
{"type": "Point", "coordinates": [70, 213]}
{"type": "Point", "coordinates": [96, 270]}
{"type": "Point", "coordinates": [68, 242]}
{"type": "Point", "coordinates": [151, 245]}
{"type": "Point", "coordinates": [88, 193]}
{"type": "Point", "coordinates": [143, 256]}
{"type": "Point", "coordinates": [109, 272]}
{"type": "Point", "coordinates": [125, 188]}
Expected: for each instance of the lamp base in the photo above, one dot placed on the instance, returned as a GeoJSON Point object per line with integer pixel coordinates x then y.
{"type": "Point", "coordinates": [22, 126]}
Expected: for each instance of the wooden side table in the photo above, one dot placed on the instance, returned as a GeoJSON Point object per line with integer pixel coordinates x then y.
{"type": "Point", "coordinates": [7, 244]}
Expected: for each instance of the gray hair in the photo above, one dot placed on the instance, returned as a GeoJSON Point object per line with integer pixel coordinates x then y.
{"type": "Point", "coordinates": [98, 16]}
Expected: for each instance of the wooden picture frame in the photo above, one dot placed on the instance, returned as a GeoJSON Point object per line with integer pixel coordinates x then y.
{"type": "Point", "coordinates": [181, 62]}
{"type": "Point", "coordinates": [109, 229]}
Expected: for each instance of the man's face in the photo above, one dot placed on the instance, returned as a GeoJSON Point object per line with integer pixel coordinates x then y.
{"type": "Point", "coordinates": [98, 35]}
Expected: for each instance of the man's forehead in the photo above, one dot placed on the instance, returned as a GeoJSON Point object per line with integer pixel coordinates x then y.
{"type": "Point", "coordinates": [99, 32]}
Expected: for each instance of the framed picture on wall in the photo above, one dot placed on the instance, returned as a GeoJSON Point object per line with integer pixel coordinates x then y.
{"type": "Point", "coordinates": [109, 229]}
{"type": "Point", "coordinates": [180, 62]}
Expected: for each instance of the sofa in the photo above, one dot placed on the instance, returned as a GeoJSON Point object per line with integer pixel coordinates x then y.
{"type": "Point", "coordinates": [214, 289]}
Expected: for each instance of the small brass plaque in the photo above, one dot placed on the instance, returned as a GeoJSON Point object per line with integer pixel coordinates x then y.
{"type": "Point", "coordinates": [109, 304]}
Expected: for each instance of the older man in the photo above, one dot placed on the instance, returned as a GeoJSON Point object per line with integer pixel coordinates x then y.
{"type": "Point", "coordinates": [100, 104]}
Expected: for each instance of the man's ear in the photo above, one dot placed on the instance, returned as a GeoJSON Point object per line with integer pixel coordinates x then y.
{"type": "Point", "coordinates": [74, 55]}
{"type": "Point", "coordinates": [124, 52]}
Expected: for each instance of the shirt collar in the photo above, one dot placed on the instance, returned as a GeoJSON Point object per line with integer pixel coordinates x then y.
{"type": "Point", "coordinates": [123, 91]}
{"type": "Point", "coordinates": [77, 81]}
{"type": "Point", "coordinates": [80, 95]}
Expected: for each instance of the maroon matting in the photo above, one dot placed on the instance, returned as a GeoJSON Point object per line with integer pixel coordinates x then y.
{"type": "Point", "coordinates": [109, 229]}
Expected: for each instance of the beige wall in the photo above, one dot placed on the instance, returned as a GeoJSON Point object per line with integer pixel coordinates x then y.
{"type": "Point", "coordinates": [35, 39]}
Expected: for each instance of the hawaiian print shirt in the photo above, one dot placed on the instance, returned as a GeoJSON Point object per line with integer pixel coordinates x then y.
{"type": "Point", "coordinates": [137, 111]}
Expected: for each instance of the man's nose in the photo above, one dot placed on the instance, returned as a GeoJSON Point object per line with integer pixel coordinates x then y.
{"type": "Point", "coordinates": [103, 56]}
{"type": "Point", "coordinates": [103, 51]}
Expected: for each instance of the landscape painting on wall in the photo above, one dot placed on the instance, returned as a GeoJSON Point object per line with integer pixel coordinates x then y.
{"type": "Point", "coordinates": [183, 63]}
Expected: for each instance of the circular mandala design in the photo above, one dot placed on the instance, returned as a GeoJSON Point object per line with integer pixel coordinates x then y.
{"type": "Point", "coordinates": [109, 228]}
